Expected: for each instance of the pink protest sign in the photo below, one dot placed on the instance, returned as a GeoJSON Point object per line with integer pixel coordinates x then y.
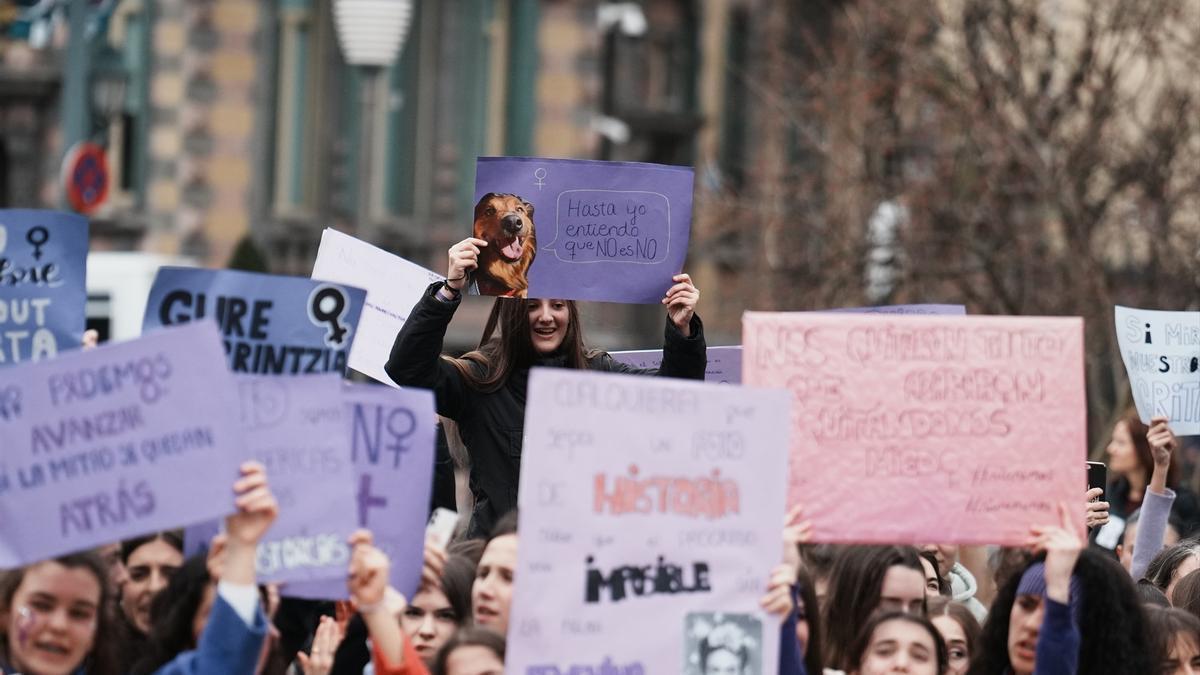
{"type": "Point", "coordinates": [927, 429]}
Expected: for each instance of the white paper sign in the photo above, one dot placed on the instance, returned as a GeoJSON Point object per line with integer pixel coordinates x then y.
{"type": "Point", "coordinates": [650, 520]}
{"type": "Point", "coordinates": [1161, 351]}
{"type": "Point", "coordinates": [393, 285]}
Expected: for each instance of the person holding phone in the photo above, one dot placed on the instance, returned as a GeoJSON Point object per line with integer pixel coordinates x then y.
{"type": "Point", "coordinates": [1133, 462]}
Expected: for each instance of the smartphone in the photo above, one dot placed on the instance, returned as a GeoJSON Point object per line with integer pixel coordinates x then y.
{"type": "Point", "coordinates": [441, 526]}
{"type": "Point", "coordinates": [1097, 477]}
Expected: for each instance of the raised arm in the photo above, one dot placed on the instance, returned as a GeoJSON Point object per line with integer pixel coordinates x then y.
{"type": "Point", "coordinates": [1156, 505]}
{"type": "Point", "coordinates": [416, 360]}
{"type": "Point", "coordinates": [684, 351]}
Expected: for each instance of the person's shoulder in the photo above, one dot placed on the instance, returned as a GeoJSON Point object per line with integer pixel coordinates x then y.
{"type": "Point", "coordinates": [598, 359]}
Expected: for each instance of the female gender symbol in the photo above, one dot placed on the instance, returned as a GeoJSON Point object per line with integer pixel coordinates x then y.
{"type": "Point", "coordinates": [37, 237]}
{"type": "Point", "coordinates": [540, 175]}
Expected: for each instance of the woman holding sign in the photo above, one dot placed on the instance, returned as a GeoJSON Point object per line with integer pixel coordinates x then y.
{"type": "Point", "coordinates": [484, 391]}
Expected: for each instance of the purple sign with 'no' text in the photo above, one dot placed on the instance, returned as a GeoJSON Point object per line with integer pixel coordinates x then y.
{"type": "Point", "coordinates": [103, 445]}
{"type": "Point", "coordinates": [580, 229]}
{"type": "Point", "coordinates": [391, 450]}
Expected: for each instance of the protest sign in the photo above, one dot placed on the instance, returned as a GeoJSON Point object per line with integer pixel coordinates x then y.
{"type": "Point", "coordinates": [391, 451]}
{"type": "Point", "coordinates": [580, 229]}
{"type": "Point", "coordinates": [297, 428]}
{"type": "Point", "coordinates": [43, 289]}
{"type": "Point", "coordinates": [273, 325]}
{"type": "Point", "coordinates": [927, 429]}
{"type": "Point", "coordinates": [947, 310]}
{"type": "Point", "coordinates": [652, 508]}
{"type": "Point", "coordinates": [115, 442]}
{"type": "Point", "coordinates": [724, 363]}
{"type": "Point", "coordinates": [393, 285]}
{"type": "Point", "coordinates": [1161, 351]}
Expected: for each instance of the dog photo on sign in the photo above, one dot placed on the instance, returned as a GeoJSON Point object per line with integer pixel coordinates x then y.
{"type": "Point", "coordinates": [505, 222]}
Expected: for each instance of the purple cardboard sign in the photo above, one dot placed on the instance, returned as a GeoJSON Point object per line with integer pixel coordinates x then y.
{"type": "Point", "coordinates": [580, 229]}
{"type": "Point", "coordinates": [272, 324]}
{"type": "Point", "coordinates": [724, 363]}
{"type": "Point", "coordinates": [391, 449]}
{"type": "Point", "coordinates": [43, 295]}
{"type": "Point", "coordinates": [296, 427]}
{"type": "Point", "coordinates": [115, 442]}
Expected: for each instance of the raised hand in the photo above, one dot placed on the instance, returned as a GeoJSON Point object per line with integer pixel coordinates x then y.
{"type": "Point", "coordinates": [1062, 544]}
{"type": "Point", "coordinates": [778, 599]}
{"type": "Point", "coordinates": [462, 259]}
{"type": "Point", "coordinates": [319, 660]}
{"type": "Point", "coordinates": [681, 302]}
{"type": "Point", "coordinates": [256, 507]}
{"type": "Point", "coordinates": [1162, 442]}
{"type": "Point", "coordinates": [1096, 511]}
{"type": "Point", "coordinates": [796, 530]}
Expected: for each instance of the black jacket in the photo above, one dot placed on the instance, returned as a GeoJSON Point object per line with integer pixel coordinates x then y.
{"type": "Point", "coordinates": [491, 424]}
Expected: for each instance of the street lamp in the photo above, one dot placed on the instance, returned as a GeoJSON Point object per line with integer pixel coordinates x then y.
{"type": "Point", "coordinates": [108, 85]}
{"type": "Point", "coordinates": [371, 34]}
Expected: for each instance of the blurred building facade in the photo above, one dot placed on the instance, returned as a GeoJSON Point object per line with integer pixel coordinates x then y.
{"type": "Point", "coordinates": [241, 118]}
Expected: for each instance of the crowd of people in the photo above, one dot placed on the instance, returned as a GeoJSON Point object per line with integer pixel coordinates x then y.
{"type": "Point", "coordinates": [1111, 585]}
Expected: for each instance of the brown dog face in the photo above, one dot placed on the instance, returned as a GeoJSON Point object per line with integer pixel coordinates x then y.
{"type": "Point", "coordinates": [505, 222]}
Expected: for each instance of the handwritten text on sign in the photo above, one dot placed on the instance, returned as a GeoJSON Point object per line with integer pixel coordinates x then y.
{"type": "Point", "coordinates": [643, 501]}
{"type": "Point", "coordinates": [296, 428]}
{"type": "Point", "coordinates": [1161, 351]}
{"type": "Point", "coordinates": [95, 443]}
{"type": "Point", "coordinates": [972, 427]}
{"type": "Point", "coordinates": [605, 231]}
{"type": "Point", "coordinates": [391, 453]}
{"type": "Point", "coordinates": [43, 296]}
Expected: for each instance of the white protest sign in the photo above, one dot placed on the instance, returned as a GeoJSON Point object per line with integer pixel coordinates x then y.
{"type": "Point", "coordinates": [653, 509]}
{"type": "Point", "coordinates": [1161, 351]}
{"type": "Point", "coordinates": [393, 285]}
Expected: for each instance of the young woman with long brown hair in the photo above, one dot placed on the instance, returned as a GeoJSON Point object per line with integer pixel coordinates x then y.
{"type": "Point", "coordinates": [484, 391]}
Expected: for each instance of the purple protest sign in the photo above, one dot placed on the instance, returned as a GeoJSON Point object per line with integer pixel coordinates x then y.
{"type": "Point", "coordinates": [296, 427]}
{"type": "Point", "coordinates": [272, 324]}
{"type": "Point", "coordinates": [391, 450]}
{"type": "Point", "coordinates": [115, 442]}
{"type": "Point", "coordinates": [43, 297]}
{"type": "Point", "coordinates": [724, 363]}
{"type": "Point", "coordinates": [580, 229]}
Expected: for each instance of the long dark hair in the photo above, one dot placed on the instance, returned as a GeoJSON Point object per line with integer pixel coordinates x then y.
{"type": "Point", "coordinates": [173, 538]}
{"type": "Point", "coordinates": [1166, 625]}
{"type": "Point", "coordinates": [1113, 635]}
{"type": "Point", "coordinates": [863, 641]}
{"type": "Point", "coordinates": [469, 637]}
{"type": "Point", "coordinates": [958, 612]}
{"type": "Point", "coordinates": [458, 577]}
{"type": "Point", "coordinates": [811, 614]}
{"type": "Point", "coordinates": [854, 589]}
{"type": "Point", "coordinates": [1161, 570]}
{"type": "Point", "coordinates": [1141, 444]}
{"type": "Point", "coordinates": [507, 345]}
{"type": "Point", "coordinates": [102, 660]}
{"type": "Point", "coordinates": [172, 614]}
